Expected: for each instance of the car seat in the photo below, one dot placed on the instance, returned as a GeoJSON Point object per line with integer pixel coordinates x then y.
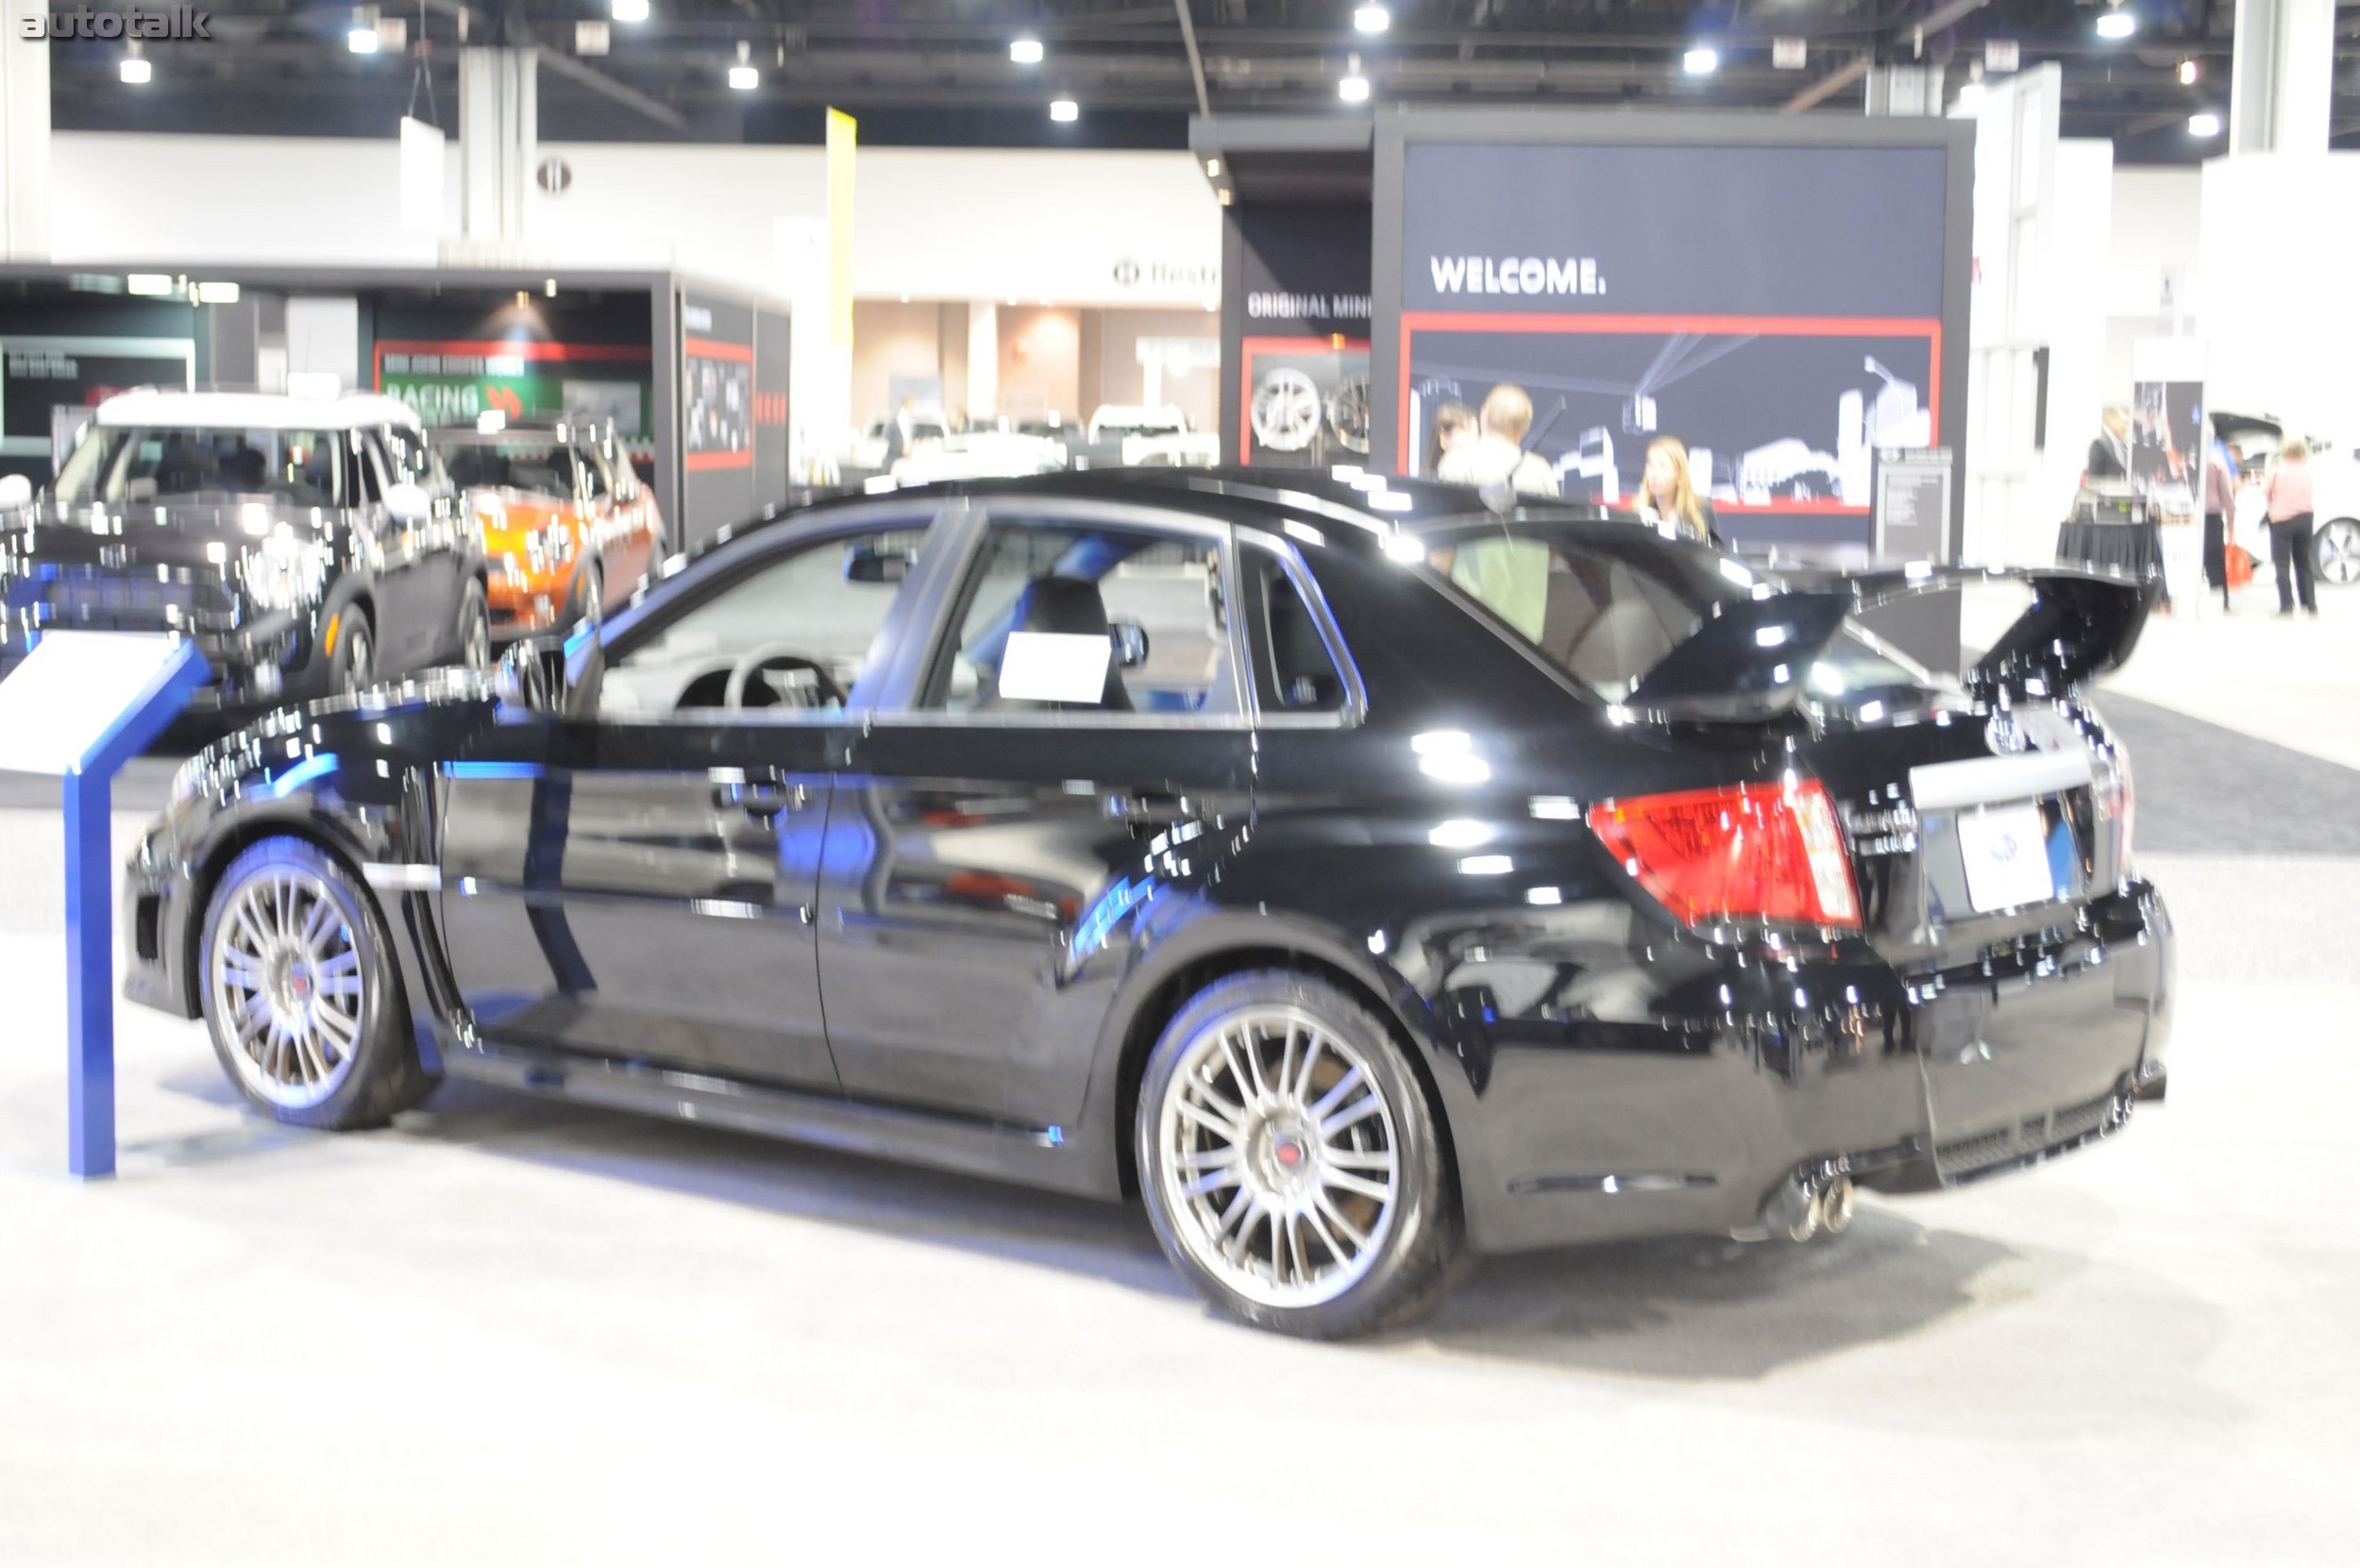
{"type": "Point", "coordinates": [1066, 606]}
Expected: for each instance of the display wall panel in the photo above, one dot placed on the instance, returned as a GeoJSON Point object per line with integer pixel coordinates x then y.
{"type": "Point", "coordinates": [1295, 307]}
{"type": "Point", "coordinates": [1784, 297]}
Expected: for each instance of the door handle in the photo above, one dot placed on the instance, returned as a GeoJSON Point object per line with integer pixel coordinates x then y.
{"type": "Point", "coordinates": [1149, 805]}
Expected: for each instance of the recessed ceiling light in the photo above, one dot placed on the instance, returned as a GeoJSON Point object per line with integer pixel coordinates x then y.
{"type": "Point", "coordinates": [360, 40]}
{"type": "Point", "coordinates": [1702, 60]}
{"type": "Point", "coordinates": [630, 11]}
{"type": "Point", "coordinates": [1372, 19]}
{"type": "Point", "coordinates": [1353, 90]}
{"type": "Point", "coordinates": [1065, 111]}
{"type": "Point", "coordinates": [2206, 124]}
{"type": "Point", "coordinates": [744, 77]}
{"type": "Point", "coordinates": [2189, 72]}
{"type": "Point", "coordinates": [1026, 51]}
{"type": "Point", "coordinates": [1212, 168]}
{"type": "Point", "coordinates": [2118, 23]}
{"type": "Point", "coordinates": [136, 71]}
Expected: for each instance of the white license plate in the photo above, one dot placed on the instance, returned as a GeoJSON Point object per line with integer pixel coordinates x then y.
{"type": "Point", "coordinates": [2006, 849]}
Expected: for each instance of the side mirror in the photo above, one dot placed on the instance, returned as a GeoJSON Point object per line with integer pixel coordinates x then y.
{"type": "Point", "coordinates": [16, 492]}
{"type": "Point", "coordinates": [531, 676]}
{"type": "Point", "coordinates": [1130, 640]}
{"type": "Point", "coordinates": [406, 504]}
{"type": "Point", "coordinates": [865, 563]}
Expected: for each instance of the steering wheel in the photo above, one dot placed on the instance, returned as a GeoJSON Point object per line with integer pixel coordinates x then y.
{"type": "Point", "coordinates": [779, 657]}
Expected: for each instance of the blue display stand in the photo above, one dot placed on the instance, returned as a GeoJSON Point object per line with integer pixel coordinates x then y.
{"type": "Point", "coordinates": [81, 705]}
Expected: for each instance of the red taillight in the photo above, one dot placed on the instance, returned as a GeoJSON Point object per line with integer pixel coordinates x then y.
{"type": "Point", "coordinates": [1762, 851]}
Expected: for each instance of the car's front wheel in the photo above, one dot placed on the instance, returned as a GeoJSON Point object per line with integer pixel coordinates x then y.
{"type": "Point", "coordinates": [475, 629]}
{"type": "Point", "coordinates": [2336, 552]}
{"type": "Point", "coordinates": [352, 663]}
{"type": "Point", "coordinates": [300, 993]}
{"type": "Point", "coordinates": [1291, 1162]}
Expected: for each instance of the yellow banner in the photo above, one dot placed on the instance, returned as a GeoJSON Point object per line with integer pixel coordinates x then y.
{"type": "Point", "coordinates": [843, 135]}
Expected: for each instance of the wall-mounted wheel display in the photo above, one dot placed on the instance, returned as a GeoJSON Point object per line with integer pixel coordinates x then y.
{"type": "Point", "coordinates": [1348, 413]}
{"type": "Point", "coordinates": [1285, 413]}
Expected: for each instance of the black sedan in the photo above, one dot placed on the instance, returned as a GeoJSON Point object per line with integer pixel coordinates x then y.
{"type": "Point", "coordinates": [1362, 875]}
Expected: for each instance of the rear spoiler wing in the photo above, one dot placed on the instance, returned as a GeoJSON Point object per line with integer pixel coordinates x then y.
{"type": "Point", "coordinates": [1747, 663]}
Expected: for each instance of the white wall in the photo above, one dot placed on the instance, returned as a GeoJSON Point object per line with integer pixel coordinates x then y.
{"type": "Point", "coordinates": [1080, 227]}
{"type": "Point", "coordinates": [2281, 309]}
{"type": "Point", "coordinates": [2154, 242]}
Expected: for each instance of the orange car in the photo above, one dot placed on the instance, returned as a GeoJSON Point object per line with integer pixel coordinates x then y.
{"type": "Point", "coordinates": [568, 530]}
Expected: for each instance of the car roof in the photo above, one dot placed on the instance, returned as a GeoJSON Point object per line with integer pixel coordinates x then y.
{"type": "Point", "coordinates": [252, 410]}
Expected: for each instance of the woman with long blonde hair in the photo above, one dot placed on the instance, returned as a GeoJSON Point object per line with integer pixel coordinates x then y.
{"type": "Point", "coordinates": [1667, 499]}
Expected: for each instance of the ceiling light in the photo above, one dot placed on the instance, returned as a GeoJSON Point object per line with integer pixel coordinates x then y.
{"type": "Point", "coordinates": [1212, 168]}
{"type": "Point", "coordinates": [1353, 89]}
{"type": "Point", "coordinates": [744, 77]}
{"type": "Point", "coordinates": [154, 284]}
{"type": "Point", "coordinates": [2118, 23]}
{"type": "Point", "coordinates": [1372, 19]}
{"type": "Point", "coordinates": [1026, 51]}
{"type": "Point", "coordinates": [2189, 72]}
{"type": "Point", "coordinates": [215, 293]}
{"type": "Point", "coordinates": [1701, 61]}
{"type": "Point", "coordinates": [136, 71]}
{"type": "Point", "coordinates": [1065, 111]}
{"type": "Point", "coordinates": [1971, 96]}
{"type": "Point", "coordinates": [362, 40]}
{"type": "Point", "coordinates": [1224, 197]}
{"type": "Point", "coordinates": [2206, 124]}
{"type": "Point", "coordinates": [630, 11]}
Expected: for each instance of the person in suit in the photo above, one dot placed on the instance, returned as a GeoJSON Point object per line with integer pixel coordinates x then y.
{"type": "Point", "coordinates": [2110, 454]}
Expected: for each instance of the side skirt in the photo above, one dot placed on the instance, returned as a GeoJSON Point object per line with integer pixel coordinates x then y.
{"type": "Point", "coordinates": [1035, 1156]}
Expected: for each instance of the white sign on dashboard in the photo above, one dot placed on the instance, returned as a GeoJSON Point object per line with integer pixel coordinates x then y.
{"type": "Point", "coordinates": [70, 690]}
{"type": "Point", "coordinates": [1054, 667]}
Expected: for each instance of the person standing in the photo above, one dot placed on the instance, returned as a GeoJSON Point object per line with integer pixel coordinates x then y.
{"type": "Point", "coordinates": [1497, 455]}
{"type": "Point", "coordinates": [2288, 492]}
{"type": "Point", "coordinates": [1667, 499]}
{"type": "Point", "coordinates": [2220, 504]}
{"type": "Point", "coordinates": [2110, 454]}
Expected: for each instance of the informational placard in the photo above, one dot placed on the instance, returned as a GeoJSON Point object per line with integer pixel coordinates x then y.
{"type": "Point", "coordinates": [1913, 502]}
{"type": "Point", "coordinates": [66, 695]}
{"type": "Point", "coordinates": [1054, 667]}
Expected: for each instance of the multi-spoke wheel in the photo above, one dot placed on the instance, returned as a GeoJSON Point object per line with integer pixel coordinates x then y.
{"type": "Point", "coordinates": [1290, 1159]}
{"type": "Point", "coordinates": [2336, 552]}
{"type": "Point", "coordinates": [305, 1011]}
{"type": "Point", "coordinates": [1285, 412]}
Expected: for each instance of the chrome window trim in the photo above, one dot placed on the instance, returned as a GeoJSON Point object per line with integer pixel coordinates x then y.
{"type": "Point", "coordinates": [1355, 710]}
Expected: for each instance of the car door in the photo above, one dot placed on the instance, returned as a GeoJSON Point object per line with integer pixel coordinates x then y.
{"type": "Point", "coordinates": [1024, 797]}
{"type": "Point", "coordinates": [405, 591]}
{"type": "Point", "coordinates": [640, 883]}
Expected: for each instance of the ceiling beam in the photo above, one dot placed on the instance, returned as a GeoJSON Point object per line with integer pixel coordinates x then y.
{"type": "Point", "coordinates": [1196, 61]}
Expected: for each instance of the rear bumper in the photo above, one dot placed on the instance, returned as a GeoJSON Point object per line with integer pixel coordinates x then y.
{"type": "Point", "coordinates": [1694, 1119]}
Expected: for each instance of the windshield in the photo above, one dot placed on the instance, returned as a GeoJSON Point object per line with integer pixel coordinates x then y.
{"type": "Point", "coordinates": [538, 467]}
{"type": "Point", "coordinates": [1604, 603]}
{"type": "Point", "coordinates": [123, 467]}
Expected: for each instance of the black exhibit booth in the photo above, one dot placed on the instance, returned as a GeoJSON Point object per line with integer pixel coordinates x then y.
{"type": "Point", "coordinates": [693, 376]}
{"type": "Point", "coordinates": [1787, 297]}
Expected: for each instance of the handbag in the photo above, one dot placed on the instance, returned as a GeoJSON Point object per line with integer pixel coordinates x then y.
{"type": "Point", "coordinates": [2237, 566]}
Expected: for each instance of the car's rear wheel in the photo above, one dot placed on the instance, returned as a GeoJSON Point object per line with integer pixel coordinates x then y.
{"type": "Point", "coordinates": [591, 594]}
{"type": "Point", "coordinates": [475, 629]}
{"type": "Point", "coordinates": [1291, 1162]}
{"type": "Point", "coordinates": [300, 993]}
{"type": "Point", "coordinates": [2336, 552]}
{"type": "Point", "coordinates": [352, 663]}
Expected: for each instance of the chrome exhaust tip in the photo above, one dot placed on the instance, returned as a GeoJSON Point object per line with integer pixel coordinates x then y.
{"type": "Point", "coordinates": [1837, 1203]}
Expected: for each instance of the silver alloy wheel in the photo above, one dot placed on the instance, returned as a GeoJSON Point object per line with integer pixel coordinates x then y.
{"type": "Point", "coordinates": [288, 987]}
{"type": "Point", "coordinates": [2336, 553]}
{"type": "Point", "coordinates": [1280, 1159]}
{"type": "Point", "coordinates": [1286, 409]}
{"type": "Point", "coordinates": [475, 645]}
{"type": "Point", "coordinates": [360, 655]}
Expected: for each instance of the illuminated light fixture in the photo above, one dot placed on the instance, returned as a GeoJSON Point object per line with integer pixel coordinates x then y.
{"type": "Point", "coordinates": [1372, 19]}
{"type": "Point", "coordinates": [743, 76]}
{"type": "Point", "coordinates": [1353, 89]}
{"type": "Point", "coordinates": [2206, 124]}
{"type": "Point", "coordinates": [1971, 96]}
{"type": "Point", "coordinates": [2118, 23]}
{"type": "Point", "coordinates": [2189, 72]}
{"type": "Point", "coordinates": [1212, 168]}
{"type": "Point", "coordinates": [549, 288]}
{"type": "Point", "coordinates": [215, 294]}
{"type": "Point", "coordinates": [1703, 60]}
{"type": "Point", "coordinates": [1026, 51]}
{"type": "Point", "coordinates": [136, 71]}
{"type": "Point", "coordinates": [1064, 111]}
{"type": "Point", "coordinates": [629, 10]}
{"type": "Point", "coordinates": [1224, 197]}
{"type": "Point", "coordinates": [156, 283]}
{"type": "Point", "coordinates": [361, 41]}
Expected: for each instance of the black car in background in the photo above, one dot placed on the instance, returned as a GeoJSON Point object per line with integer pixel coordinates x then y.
{"type": "Point", "coordinates": [1359, 875]}
{"type": "Point", "coordinates": [309, 545]}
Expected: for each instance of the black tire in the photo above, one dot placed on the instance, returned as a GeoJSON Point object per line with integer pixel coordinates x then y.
{"type": "Point", "coordinates": [474, 629]}
{"type": "Point", "coordinates": [2336, 552]}
{"type": "Point", "coordinates": [590, 594]}
{"type": "Point", "coordinates": [368, 1061]}
{"type": "Point", "coordinates": [352, 663]}
{"type": "Point", "coordinates": [1412, 1235]}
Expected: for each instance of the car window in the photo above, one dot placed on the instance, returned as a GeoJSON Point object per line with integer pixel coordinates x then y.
{"type": "Point", "coordinates": [534, 465]}
{"type": "Point", "coordinates": [794, 630]}
{"type": "Point", "coordinates": [1293, 669]}
{"type": "Point", "coordinates": [407, 460]}
{"type": "Point", "coordinates": [1066, 617]}
{"type": "Point", "coordinates": [121, 467]}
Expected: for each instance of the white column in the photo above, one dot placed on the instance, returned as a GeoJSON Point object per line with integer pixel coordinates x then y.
{"type": "Point", "coordinates": [2281, 77]}
{"type": "Point", "coordinates": [498, 129]}
{"type": "Point", "coordinates": [23, 138]}
{"type": "Point", "coordinates": [983, 359]}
